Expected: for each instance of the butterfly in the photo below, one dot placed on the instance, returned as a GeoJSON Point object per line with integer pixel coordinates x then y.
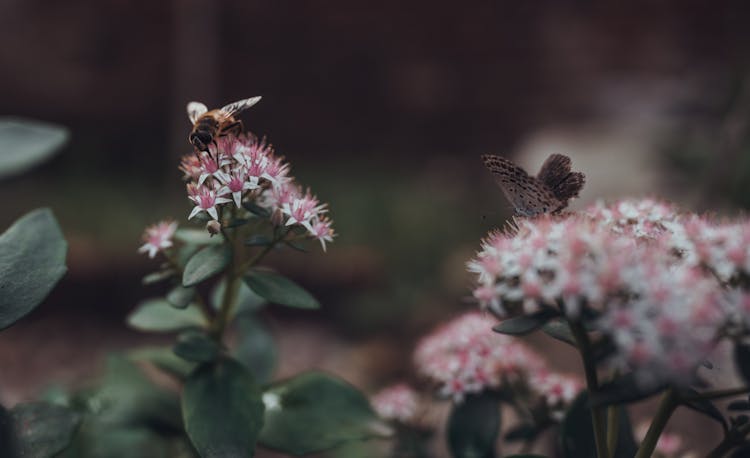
{"type": "Point", "coordinates": [548, 192]}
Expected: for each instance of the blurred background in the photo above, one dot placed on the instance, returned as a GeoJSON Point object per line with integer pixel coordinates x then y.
{"type": "Point", "coordinates": [383, 109]}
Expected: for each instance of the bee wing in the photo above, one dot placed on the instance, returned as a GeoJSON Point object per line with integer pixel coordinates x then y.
{"type": "Point", "coordinates": [195, 110]}
{"type": "Point", "coordinates": [528, 195]}
{"type": "Point", "coordinates": [239, 106]}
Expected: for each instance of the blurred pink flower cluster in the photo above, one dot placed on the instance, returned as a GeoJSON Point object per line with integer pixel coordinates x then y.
{"type": "Point", "coordinates": [649, 271]}
{"type": "Point", "coordinates": [397, 402]}
{"type": "Point", "coordinates": [158, 237]}
{"type": "Point", "coordinates": [244, 169]}
{"type": "Point", "coordinates": [465, 356]}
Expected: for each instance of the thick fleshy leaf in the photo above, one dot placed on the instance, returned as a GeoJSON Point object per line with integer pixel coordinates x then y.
{"type": "Point", "coordinates": [165, 359]}
{"type": "Point", "coordinates": [197, 347]}
{"type": "Point", "coordinates": [97, 439]}
{"type": "Point", "coordinates": [560, 330]}
{"type": "Point", "coordinates": [247, 300]}
{"type": "Point", "coordinates": [577, 433]}
{"type": "Point", "coordinates": [197, 237]}
{"type": "Point", "coordinates": [7, 434]}
{"type": "Point", "coordinates": [258, 240]}
{"type": "Point", "coordinates": [180, 297]}
{"type": "Point", "coordinates": [741, 405]}
{"type": "Point", "coordinates": [222, 410]}
{"type": "Point", "coordinates": [25, 143]}
{"type": "Point", "coordinates": [43, 430]}
{"type": "Point", "coordinates": [314, 412]}
{"type": "Point", "coordinates": [32, 261]}
{"type": "Point", "coordinates": [206, 263]}
{"type": "Point", "coordinates": [126, 396]}
{"type": "Point", "coordinates": [255, 348]}
{"type": "Point", "coordinates": [623, 390]}
{"type": "Point", "coordinates": [742, 360]}
{"type": "Point", "coordinates": [474, 427]}
{"type": "Point", "coordinates": [156, 277]}
{"type": "Point", "coordinates": [525, 324]}
{"type": "Point", "coordinates": [280, 290]}
{"type": "Point", "coordinates": [158, 315]}
{"type": "Point", "coordinates": [256, 210]}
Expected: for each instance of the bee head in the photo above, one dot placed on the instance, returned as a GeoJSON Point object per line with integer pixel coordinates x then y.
{"type": "Point", "coordinates": [201, 140]}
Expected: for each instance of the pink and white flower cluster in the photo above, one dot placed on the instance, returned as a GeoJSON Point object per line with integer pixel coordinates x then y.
{"type": "Point", "coordinates": [465, 356]}
{"type": "Point", "coordinates": [557, 390]}
{"type": "Point", "coordinates": [397, 402]}
{"type": "Point", "coordinates": [650, 271]}
{"type": "Point", "coordinates": [158, 237]}
{"type": "Point", "coordinates": [245, 169]}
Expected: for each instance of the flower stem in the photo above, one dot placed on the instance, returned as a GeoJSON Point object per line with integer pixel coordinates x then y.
{"type": "Point", "coordinates": [731, 440]}
{"type": "Point", "coordinates": [718, 394]}
{"type": "Point", "coordinates": [668, 404]}
{"type": "Point", "coordinates": [234, 277]}
{"type": "Point", "coordinates": [613, 428]}
{"type": "Point", "coordinates": [598, 417]}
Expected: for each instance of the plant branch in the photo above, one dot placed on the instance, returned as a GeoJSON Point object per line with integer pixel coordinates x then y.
{"type": "Point", "coordinates": [730, 441]}
{"type": "Point", "coordinates": [667, 406]}
{"type": "Point", "coordinates": [613, 428]}
{"type": "Point", "coordinates": [718, 394]}
{"type": "Point", "coordinates": [598, 417]}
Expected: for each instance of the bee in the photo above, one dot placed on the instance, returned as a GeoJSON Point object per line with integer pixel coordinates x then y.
{"type": "Point", "coordinates": [208, 125]}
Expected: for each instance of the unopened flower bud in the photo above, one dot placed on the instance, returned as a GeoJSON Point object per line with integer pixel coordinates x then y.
{"type": "Point", "coordinates": [213, 227]}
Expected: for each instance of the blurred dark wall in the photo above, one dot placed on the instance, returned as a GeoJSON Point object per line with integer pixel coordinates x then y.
{"type": "Point", "coordinates": [341, 77]}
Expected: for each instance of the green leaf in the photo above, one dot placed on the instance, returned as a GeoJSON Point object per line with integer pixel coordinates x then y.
{"type": "Point", "coordinates": [180, 297]}
{"type": "Point", "coordinates": [237, 223]}
{"type": "Point", "coordinates": [258, 240]}
{"type": "Point", "coordinates": [280, 290]}
{"type": "Point", "coordinates": [560, 330]}
{"type": "Point", "coordinates": [206, 263]}
{"type": "Point", "coordinates": [474, 427]}
{"type": "Point", "coordinates": [32, 261]}
{"type": "Point", "coordinates": [256, 210]}
{"type": "Point", "coordinates": [165, 359]}
{"type": "Point", "coordinates": [8, 445]}
{"type": "Point", "coordinates": [256, 348]}
{"type": "Point", "coordinates": [102, 440]}
{"type": "Point", "coordinates": [247, 300]}
{"type": "Point", "coordinates": [197, 237]}
{"type": "Point", "coordinates": [25, 143]}
{"type": "Point", "coordinates": [577, 433]}
{"type": "Point", "coordinates": [127, 397]}
{"type": "Point", "coordinates": [525, 324]}
{"type": "Point", "coordinates": [526, 456]}
{"type": "Point", "coordinates": [196, 347]}
{"type": "Point", "coordinates": [158, 315]}
{"type": "Point", "coordinates": [314, 412]}
{"type": "Point", "coordinates": [742, 360]}
{"type": "Point", "coordinates": [222, 410]}
{"type": "Point", "coordinates": [623, 390]}
{"type": "Point", "coordinates": [740, 404]}
{"type": "Point", "coordinates": [42, 429]}
{"type": "Point", "coordinates": [156, 277]}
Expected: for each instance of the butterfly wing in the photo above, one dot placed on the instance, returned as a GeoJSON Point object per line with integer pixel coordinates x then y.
{"type": "Point", "coordinates": [527, 194]}
{"type": "Point", "coordinates": [556, 174]}
{"type": "Point", "coordinates": [239, 106]}
{"type": "Point", "coordinates": [195, 110]}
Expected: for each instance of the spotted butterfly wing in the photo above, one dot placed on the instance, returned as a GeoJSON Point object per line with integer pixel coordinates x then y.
{"type": "Point", "coordinates": [528, 195]}
{"type": "Point", "coordinates": [556, 175]}
{"type": "Point", "coordinates": [239, 106]}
